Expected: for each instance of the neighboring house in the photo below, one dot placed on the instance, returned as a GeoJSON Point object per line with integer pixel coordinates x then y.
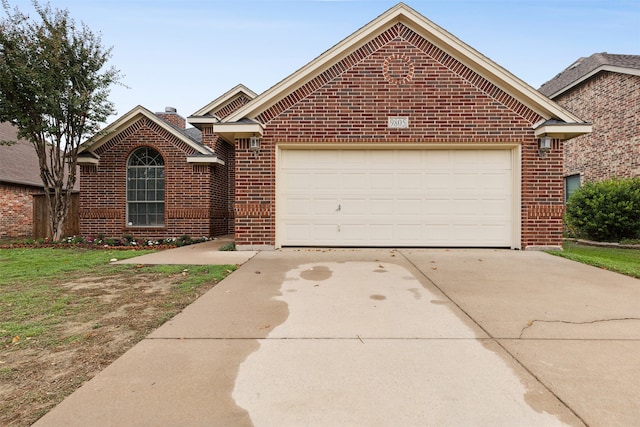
{"type": "Point", "coordinates": [401, 135]}
{"type": "Point", "coordinates": [19, 180]}
{"type": "Point", "coordinates": [23, 210]}
{"type": "Point", "coordinates": [603, 89]}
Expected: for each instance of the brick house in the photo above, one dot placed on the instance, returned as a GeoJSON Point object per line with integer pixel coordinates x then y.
{"type": "Point", "coordinates": [401, 135]}
{"type": "Point", "coordinates": [603, 89]}
{"type": "Point", "coordinates": [23, 210]}
{"type": "Point", "coordinates": [19, 181]}
{"type": "Point", "coordinates": [149, 176]}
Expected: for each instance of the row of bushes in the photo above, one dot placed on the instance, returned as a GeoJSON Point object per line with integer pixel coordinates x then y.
{"type": "Point", "coordinates": [102, 241]}
{"type": "Point", "coordinates": [606, 211]}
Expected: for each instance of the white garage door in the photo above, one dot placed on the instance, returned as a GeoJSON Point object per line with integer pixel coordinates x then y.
{"type": "Point", "coordinates": [396, 198]}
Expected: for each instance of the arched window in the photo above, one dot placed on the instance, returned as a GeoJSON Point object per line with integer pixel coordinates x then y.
{"type": "Point", "coordinates": [145, 188]}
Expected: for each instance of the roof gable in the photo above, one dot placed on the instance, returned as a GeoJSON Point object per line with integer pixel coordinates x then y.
{"type": "Point", "coordinates": [585, 68]}
{"type": "Point", "coordinates": [224, 105]}
{"type": "Point", "coordinates": [136, 114]}
{"type": "Point", "coordinates": [328, 66]}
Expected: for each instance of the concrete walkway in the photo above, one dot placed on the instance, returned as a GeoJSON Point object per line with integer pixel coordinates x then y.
{"type": "Point", "coordinates": [384, 337]}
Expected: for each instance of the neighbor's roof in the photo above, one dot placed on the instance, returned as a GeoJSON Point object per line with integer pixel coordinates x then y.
{"type": "Point", "coordinates": [584, 68]}
{"type": "Point", "coordinates": [18, 162]}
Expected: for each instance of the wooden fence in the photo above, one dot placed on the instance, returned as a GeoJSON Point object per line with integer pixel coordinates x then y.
{"type": "Point", "coordinates": [41, 217]}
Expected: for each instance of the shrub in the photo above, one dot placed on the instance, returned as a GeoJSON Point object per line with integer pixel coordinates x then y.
{"type": "Point", "coordinates": [606, 210]}
{"type": "Point", "coordinates": [228, 247]}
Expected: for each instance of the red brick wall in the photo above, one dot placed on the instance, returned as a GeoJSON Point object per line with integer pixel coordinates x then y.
{"type": "Point", "coordinates": [611, 101]}
{"type": "Point", "coordinates": [445, 101]}
{"type": "Point", "coordinates": [221, 183]}
{"type": "Point", "coordinates": [16, 210]}
{"type": "Point", "coordinates": [188, 208]}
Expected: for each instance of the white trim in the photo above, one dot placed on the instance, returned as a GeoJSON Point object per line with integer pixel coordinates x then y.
{"type": "Point", "coordinates": [205, 160]}
{"type": "Point", "coordinates": [203, 120]}
{"type": "Point", "coordinates": [563, 131]}
{"type": "Point", "coordinates": [611, 68]}
{"type": "Point", "coordinates": [223, 99]}
{"type": "Point", "coordinates": [516, 159]}
{"type": "Point", "coordinates": [232, 131]}
{"type": "Point", "coordinates": [87, 161]}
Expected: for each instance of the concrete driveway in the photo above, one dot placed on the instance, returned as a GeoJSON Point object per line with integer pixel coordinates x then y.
{"type": "Point", "coordinates": [384, 337]}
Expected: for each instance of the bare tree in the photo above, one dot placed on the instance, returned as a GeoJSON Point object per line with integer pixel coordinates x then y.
{"type": "Point", "coordinates": [54, 86]}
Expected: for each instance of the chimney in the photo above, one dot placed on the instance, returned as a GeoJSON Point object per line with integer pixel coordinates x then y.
{"type": "Point", "coordinates": [171, 115]}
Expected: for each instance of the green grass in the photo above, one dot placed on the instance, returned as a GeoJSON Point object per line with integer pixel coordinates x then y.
{"type": "Point", "coordinates": [32, 302]}
{"type": "Point", "coordinates": [29, 264]}
{"type": "Point", "coordinates": [624, 261]}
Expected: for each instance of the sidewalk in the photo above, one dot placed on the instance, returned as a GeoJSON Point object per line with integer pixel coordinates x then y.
{"type": "Point", "coordinates": [207, 253]}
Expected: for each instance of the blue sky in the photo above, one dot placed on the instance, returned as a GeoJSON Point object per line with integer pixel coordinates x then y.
{"type": "Point", "coordinates": [186, 53]}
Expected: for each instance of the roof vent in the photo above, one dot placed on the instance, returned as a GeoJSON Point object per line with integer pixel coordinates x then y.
{"type": "Point", "coordinates": [170, 110]}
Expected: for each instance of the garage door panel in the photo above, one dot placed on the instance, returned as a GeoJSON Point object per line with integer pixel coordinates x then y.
{"type": "Point", "coordinates": [327, 181]}
{"type": "Point", "coordinates": [496, 182]}
{"type": "Point", "coordinates": [396, 198]}
{"type": "Point", "coordinates": [353, 181]}
{"type": "Point", "coordinates": [408, 207]}
{"type": "Point", "coordinates": [353, 232]}
{"type": "Point", "coordinates": [324, 206]}
{"type": "Point", "coordinates": [436, 207]}
{"type": "Point", "coordinates": [299, 180]}
{"type": "Point", "coordinates": [437, 160]}
{"type": "Point", "coordinates": [408, 182]}
{"type": "Point", "coordinates": [299, 206]}
{"type": "Point", "coordinates": [381, 234]}
{"type": "Point", "coordinates": [381, 181]}
{"type": "Point", "coordinates": [436, 181]}
{"type": "Point", "coordinates": [384, 207]}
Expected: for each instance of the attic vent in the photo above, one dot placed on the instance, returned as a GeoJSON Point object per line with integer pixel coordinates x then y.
{"type": "Point", "coordinates": [170, 110]}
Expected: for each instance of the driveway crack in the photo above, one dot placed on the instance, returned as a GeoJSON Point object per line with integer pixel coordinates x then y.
{"type": "Point", "coordinates": [531, 323]}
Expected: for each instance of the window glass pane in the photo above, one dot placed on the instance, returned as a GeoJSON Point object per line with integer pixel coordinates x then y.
{"type": "Point", "coordinates": [145, 188]}
{"type": "Point", "coordinates": [571, 184]}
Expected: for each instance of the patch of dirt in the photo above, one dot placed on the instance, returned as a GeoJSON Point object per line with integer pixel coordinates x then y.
{"type": "Point", "coordinates": [109, 315]}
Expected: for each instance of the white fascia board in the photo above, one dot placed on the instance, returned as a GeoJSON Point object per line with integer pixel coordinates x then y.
{"type": "Point", "coordinates": [232, 131]}
{"type": "Point", "coordinates": [205, 160]}
{"type": "Point", "coordinates": [611, 68]}
{"type": "Point", "coordinates": [563, 131]}
{"type": "Point", "coordinates": [86, 161]}
{"type": "Point", "coordinates": [225, 98]}
{"type": "Point", "coordinates": [195, 120]}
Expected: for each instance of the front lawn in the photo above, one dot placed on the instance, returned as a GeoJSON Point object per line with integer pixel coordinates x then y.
{"type": "Point", "coordinates": [625, 261]}
{"type": "Point", "coordinates": [65, 314]}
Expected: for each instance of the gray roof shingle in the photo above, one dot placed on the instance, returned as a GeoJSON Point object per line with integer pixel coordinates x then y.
{"type": "Point", "coordinates": [18, 162]}
{"type": "Point", "coordinates": [585, 66]}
